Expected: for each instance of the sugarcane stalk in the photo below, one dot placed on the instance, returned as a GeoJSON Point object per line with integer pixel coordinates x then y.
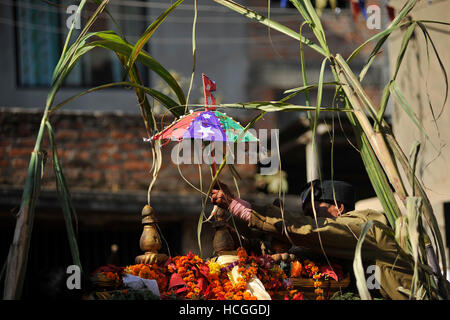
{"type": "Point", "coordinates": [376, 138]}
{"type": "Point", "coordinates": [18, 252]}
{"type": "Point", "coordinates": [387, 142]}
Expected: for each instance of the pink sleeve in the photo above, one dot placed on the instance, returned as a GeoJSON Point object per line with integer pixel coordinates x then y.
{"type": "Point", "coordinates": [241, 209]}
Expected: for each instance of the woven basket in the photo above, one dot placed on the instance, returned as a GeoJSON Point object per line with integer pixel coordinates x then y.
{"type": "Point", "coordinates": [102, 282]}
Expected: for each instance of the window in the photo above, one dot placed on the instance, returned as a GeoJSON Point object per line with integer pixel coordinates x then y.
{"type": "Point", "coordinates": [40, 34]}
{"type": "Point", "coordinates": [37, 42]}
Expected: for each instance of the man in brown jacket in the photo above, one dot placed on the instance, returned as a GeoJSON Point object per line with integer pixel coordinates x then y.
{"type": "Point", "coordinates": [330, 225]}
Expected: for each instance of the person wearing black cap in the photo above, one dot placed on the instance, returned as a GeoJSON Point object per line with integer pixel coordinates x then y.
{"type": "Point", "coordinates": [332, 197]}
{"type": "Point", "coordinates": [329, 224]}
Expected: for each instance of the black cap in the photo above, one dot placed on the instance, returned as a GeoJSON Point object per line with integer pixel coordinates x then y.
{"type": "Point", "coordinates": [323, 191]}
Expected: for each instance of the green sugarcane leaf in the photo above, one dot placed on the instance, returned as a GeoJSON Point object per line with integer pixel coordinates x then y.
{"type": "Point", "coordinates": [409, 33]}
{"type": "Point", "coordinates": [385, 97]}
{"type": "Point", "coordinates": [60, 71]}
{"type": "Point", "coordinates": [401, 100]}
{"type": "Point", "coordinates": [320, 89]}
{"type": "Point", "coordinates": [413, 209]}
{"type": "Point", "coordinates": [401, 233]}
{"type": "Point", "coordinates": [309, 87]}
{"type": "Point", "coordinates": [199, 232]}
{"type": "Point", "coordinates": [165, 100]}
{"type": "Point", "coordinates": [194, 55]}
{"type": "Point", "coordinates": [301, 7]}
{"type": "Point", "coordinates": [376, 174]}
{"type": "Point", "coordinates": [434, 22]}
{"type": "Point", "coordinates": [413, 155]}
{"type": "Point", "coordinates": [270, 23]}
{"type": "Point", "coordinates": [358, 268]}
{"type": "Point", "coordinates": [113, 42]}
{"type": "Point", "coordinates": [428, 209]}
{"type": "Point", "coordinates": [144, 104]}
{"type": "Point", "coordinates": [145, 37]}
{"type": "Point", "coordinates": [275, 106]}
{"type": "Point", "coordinates": [114, 21]}
{"type": "Point", "coordinates": [66, 43]}
{"type": "Point", "coordinates": [395, 24]}
{"type": "Point", "coordinates": [65, 199]}
{"type": "Point", "coordinates": [309, 13]}
{"type": "Point", "coordinates": [383, 103]}
{"type": "Point", "coordinates": [441, 65]}
{"type": "Point", "coordinates": [303, 69]}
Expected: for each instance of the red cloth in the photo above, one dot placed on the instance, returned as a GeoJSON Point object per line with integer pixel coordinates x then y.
{"type": "Point", "coordinates": [176, 281]}
{"type": "Point", "coordinates": [334, 272]}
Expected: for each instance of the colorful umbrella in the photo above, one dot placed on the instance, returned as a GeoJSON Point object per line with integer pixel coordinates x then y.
{"type": "Point", "coordinates": [207, 124]}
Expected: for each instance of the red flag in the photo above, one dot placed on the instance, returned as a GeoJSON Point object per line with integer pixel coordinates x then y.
{"type": "Point", "coordinates": [208, 87]}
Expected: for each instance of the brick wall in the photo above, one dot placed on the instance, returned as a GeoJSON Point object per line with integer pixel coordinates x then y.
{"type": "Point", "coordinates": [98, 151]}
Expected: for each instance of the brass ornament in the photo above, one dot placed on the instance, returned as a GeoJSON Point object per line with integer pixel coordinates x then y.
{"type": "Point", "coordinates": [150, 241]}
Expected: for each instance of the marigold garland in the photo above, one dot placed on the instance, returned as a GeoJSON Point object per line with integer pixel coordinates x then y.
{"type": "Point", "coordinates": [207, 279]}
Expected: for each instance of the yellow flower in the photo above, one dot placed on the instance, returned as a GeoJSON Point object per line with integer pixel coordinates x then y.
{"type": "Point", "coordinates": [214, 268]}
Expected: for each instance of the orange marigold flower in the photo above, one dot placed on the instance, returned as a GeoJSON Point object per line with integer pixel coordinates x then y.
{"type": "Point", "coordinates": [320, 298]}
{"type": "Point", "coordinates": [296, 269]}
{"type": "Point", "coordinates": [241, 252]}
{"type": "Point", "coordinates": [317, 284]}
{"type": "Point", "coordinates": [318, 291]}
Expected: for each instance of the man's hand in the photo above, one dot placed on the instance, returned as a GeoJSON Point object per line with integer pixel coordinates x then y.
{"type": "Point", "coordinates": [221, 195]}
